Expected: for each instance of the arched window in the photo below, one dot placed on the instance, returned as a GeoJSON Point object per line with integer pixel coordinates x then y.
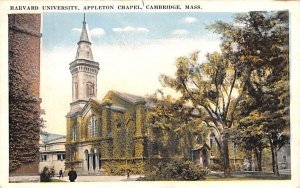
{"type": "Point", "coordinates": [76, 90]}
{"type": "Point", "coordinates": [92, 126]}
{"type": "Point", "coordinates": [99, 126]}
{"type": "Point", "coordinates": [198, 138]}
{"type": "Point", "coordinates": [212, 143]}
{"type": "Point", "coordinates": [74, 132]}
{"type": "Point", "coordinates": [90, 90]}
{"type": "Point", "coordinates": [87, 90]}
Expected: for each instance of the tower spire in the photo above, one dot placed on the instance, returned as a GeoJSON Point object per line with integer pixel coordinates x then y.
{"type": "Point", "coordinates": [84, 36]}
{"type": "Point", "coordinates": [84, 72]}
{"type": "Point", "coordinates": [84, 50]}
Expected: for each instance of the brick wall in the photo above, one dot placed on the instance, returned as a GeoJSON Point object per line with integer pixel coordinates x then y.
{"type": "Point", "coordinates": [24, 47]}
{"type": "Point", "coordinates": [24, 52]}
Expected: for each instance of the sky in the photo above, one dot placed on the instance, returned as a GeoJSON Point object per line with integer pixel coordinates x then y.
{"type": "Point", "coordinates": [133, 49]}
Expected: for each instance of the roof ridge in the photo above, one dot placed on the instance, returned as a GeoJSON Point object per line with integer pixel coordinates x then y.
{"type": "Point", "coordinates": [121, 92]}
{"type": "Point", "coordinates": [51, 137]}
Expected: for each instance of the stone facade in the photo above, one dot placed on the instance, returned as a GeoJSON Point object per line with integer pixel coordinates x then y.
{"type": "Point", "coordinates": [106, 133]}
{"type": "Point", "coordinates": [284, 157]}
{"type": "Point", "coordinates": [201, 155]}
{"type": "Point", "coordinates": [84, 72]}
{"type": "Point", "coordinates": [52, 152]}
{"type": "Point", "coordinates": [102, 135]}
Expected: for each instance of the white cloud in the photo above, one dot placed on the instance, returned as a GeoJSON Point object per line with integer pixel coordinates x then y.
{"type": "Point", "coordinates": [190, 19]}
{"type": "Point", "coordinates": [97, 32]}
{"type": "Point", "coordinates": [125, 29]}
{"type": "Point", "coordinates": [130, 29]}
{"type": "Point", "coordinates": [142, 29]}
{"type": "Point", "coordinates": [179, 32]}
{"type": "Point", "coordinates": [78, 30]}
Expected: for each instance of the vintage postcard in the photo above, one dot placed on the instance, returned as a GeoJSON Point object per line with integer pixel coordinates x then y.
{"type": "Point", "coordinates": [135, 93]}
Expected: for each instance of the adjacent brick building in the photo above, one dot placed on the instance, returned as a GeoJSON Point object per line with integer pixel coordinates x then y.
{"type": "Point", "coordinates": [24, 93]}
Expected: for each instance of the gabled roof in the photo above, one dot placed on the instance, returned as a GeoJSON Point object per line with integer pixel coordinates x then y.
{"type": "Point", "coordinates": [117, 108]}
{"type": "Point", "coordinates": [48, 137]}
{"type": "Point", "coordinates": [200, 146]}
{"type": "Point", "coordinates": [133, 99]}
{"type": "Point", "coordinates": [114, 107]}
{"type": "Point", "coordinates": [85, 109]}
{"type": "Point", "coordinates": [96, 100]}
{"type": "Point", "coordinates": [127, 97]}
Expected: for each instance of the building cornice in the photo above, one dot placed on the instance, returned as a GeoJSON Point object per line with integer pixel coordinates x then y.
{"type": "Point", "coordinates": [84, 62]}
{"type": "Point", "coordinates": [25, 30]}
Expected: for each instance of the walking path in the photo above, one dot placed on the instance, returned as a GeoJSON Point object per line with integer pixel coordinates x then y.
{"type": "Point", "coordinates": [29, 179]}
{"type": "Point", "coordinates": [36, 179]}
{"type": "Point", "coordinates": [285, 174]}
{"type": "Point", "coordinates": [102, 178]}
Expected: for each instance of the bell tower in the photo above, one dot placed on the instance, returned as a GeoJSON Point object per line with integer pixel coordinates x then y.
{"type": "Point", "coordinates": [84, 72]}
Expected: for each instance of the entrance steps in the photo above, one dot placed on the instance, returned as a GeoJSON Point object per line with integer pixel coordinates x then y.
{"type": "Point", "coordinates": [100, 172]}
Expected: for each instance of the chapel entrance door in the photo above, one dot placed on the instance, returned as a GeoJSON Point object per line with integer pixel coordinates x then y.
{"type": "Point", "coordinates": [86, 161]}
{"type": "Point", "coordinates": [94, 161]}
{"type": "Point", "coordinates": [204, 157]}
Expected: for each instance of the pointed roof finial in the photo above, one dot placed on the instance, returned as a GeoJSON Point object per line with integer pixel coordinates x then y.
{"type": "Point", "coordinates": [84, 34]}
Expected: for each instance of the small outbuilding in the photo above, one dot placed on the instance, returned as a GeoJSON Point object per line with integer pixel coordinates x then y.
{"type": "Point", "coordinates": [201, 155]}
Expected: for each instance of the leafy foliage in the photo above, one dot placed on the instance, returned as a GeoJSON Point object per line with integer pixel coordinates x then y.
{"type": "Point", "coordinates": [24, 119]}
{"type": "Point", "coordinates": [174, 129]}
{"type": "Point", "coordinates": [45, 175]}
{"type": "Point", "coordinates": [121, 168]}
{"type": "Point", "coordinates": [245, 85]}
{"type": "Point", "coordinates": [176, 169]}
{"type": "Point", "coordinates": [209, 86]}
{"type": "Point", "coordinates": [261, 43]}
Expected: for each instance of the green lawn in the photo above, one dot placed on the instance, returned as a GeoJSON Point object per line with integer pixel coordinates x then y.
{"type": "Point", "coordinates": [247, 176]}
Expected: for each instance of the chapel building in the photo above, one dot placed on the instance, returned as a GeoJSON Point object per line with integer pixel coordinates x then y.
{"type": "Point", "coordinates": [102, 135]}
{"type": "Point", "coordinates": [117, 133]}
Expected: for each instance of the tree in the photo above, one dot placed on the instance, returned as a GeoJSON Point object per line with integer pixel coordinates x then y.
{"type": "Point", "coordinates": [254, 53]}
{"type": "Point", "coordinates": [211, 87]}
{"type": "Point", "coordinates": [173, 120]}
{"type": "Point", "coordinates": [262, 42]}
{"type": "Point", "coordinates": [250, 134]}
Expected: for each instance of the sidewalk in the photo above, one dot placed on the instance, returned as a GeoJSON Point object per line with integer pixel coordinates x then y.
{"type": "Point", "coordinates": [24, 179]}
{"type": "Point", "coordinates": [101, 178]}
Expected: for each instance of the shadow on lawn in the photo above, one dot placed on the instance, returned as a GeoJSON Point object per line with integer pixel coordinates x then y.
{"type": "Point", "coordinates": [247, 176]}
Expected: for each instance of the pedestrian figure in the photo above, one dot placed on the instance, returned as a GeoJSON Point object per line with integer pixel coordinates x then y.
{"type": "Point", "coordinates": [128, 174]}
{"type": "Point", "coordinates": [61, 174]}
{"type": "Point", "coordinates": [72, 175]}
{"type": "Point", "coordinates": [52, 172]}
